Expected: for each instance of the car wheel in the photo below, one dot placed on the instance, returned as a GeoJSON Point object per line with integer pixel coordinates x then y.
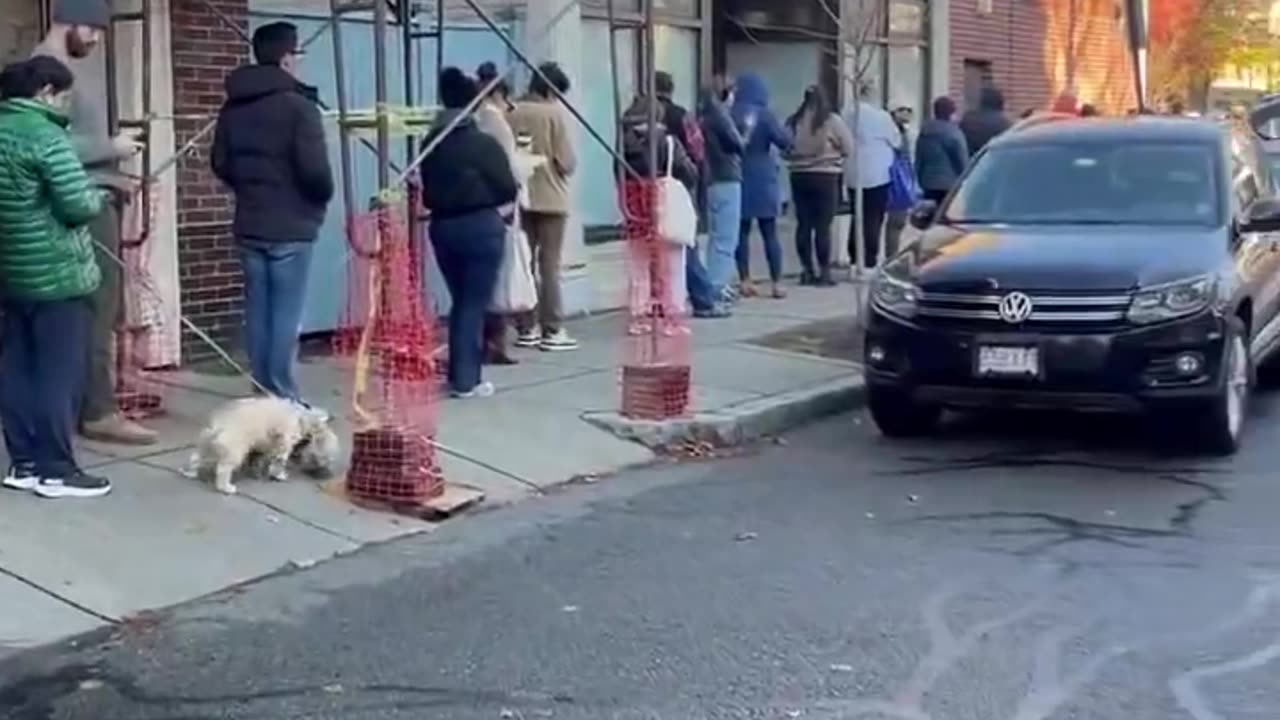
{"type": "Point", "coordinates": [1222, 424]}
{"type": "Point", "coordinates": [896, 415]}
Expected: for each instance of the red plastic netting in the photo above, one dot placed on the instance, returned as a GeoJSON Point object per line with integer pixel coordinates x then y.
{"type": "Point", "coordinates": [144, 335]}
{"type": "Point", "coordinates": [392, 342]}
{"type": "Point", "coordinates": [655, 365]}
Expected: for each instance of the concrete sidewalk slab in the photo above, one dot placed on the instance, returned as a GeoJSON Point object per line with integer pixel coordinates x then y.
{"type": "Point", "coordinates": [161, 538]}
{"type": "Point", "coordinates": [32, 618]}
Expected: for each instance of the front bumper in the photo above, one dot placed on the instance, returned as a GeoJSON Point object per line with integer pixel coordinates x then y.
{"type": "Point", "coordinates": [1120, 369]}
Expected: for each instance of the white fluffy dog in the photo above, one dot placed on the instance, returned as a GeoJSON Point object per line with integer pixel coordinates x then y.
{"type": "Point", "coordinates": [275, 429]}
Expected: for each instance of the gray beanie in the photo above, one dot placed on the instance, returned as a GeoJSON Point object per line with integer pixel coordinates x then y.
{"type": "Point", "coordinates": [91, 13]}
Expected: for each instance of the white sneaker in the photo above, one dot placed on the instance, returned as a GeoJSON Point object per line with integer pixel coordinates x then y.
{"type": "Point", "coordinates": [529, 339]}
{"type": "Point", "coordinates": [559, 341]}
{"type": "Point", "coordinates": [483, 390]}
{"type": "Point", "coordinates": [78, 484]}
{"type": "Point", "coordinates": [21, 477]}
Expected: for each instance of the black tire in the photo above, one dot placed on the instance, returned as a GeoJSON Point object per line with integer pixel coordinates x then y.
{"type": "Point", "coordinates": [897, 416]}
{"type": "Point", "coordinates": [1218, 432]}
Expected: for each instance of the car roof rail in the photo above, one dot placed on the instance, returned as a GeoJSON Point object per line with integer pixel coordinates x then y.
{"type": "Point", "coordinates": [1041, 117]}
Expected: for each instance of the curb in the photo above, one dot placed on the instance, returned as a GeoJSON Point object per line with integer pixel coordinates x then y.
{"type": "Point", "coordinates": [741, 423]}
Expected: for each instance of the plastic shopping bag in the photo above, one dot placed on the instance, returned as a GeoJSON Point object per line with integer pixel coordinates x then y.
{"type": "Point", "coordinates": [677, 216]}
{"type": "Point", "coordinates": [515, 291]}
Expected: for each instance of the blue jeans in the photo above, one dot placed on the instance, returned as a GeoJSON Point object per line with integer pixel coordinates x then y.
{"type": "Point", "coordinates": [772, 250]}
{"type": "Point", "coordinates": [469, 250]}
{"type": "Point", "coordinates": [43, 369]}
{"type": "Point", "coordinates": [724, 212]}
{"type": "Point", "coordinates": [702, 294]}
{"type": "Point", "coordinates": [275, 288]}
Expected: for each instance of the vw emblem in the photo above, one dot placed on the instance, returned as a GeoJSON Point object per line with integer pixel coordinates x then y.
{"type": "Point", "coordinates": [1015, 308]}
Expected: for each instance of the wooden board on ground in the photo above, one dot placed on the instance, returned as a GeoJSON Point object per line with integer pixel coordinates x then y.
{"type": "Point", "coordinates": [454, 500]}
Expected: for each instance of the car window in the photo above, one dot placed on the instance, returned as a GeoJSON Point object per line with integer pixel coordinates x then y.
{"type": "Point", "coordinates": [1136, 183]}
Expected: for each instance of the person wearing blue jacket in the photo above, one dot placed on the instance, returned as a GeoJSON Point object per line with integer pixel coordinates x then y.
{"type": "Point", "coordinates": [765, 135]}
{"type": "Point", "coordinates": [941, 151]}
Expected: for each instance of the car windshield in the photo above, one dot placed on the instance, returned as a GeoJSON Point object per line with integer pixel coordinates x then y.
{"type": "Point", "coordinates": [1091, 183]}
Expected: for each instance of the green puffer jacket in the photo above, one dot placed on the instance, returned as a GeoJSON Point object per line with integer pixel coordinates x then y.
{"type": "Point", "coordinates": [46, 201]}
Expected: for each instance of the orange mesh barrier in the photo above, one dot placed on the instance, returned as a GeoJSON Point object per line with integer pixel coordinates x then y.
{"type": "Point", "coordinates": [655, 365]}
{"type": "Point", "coordinates": [390, 337]}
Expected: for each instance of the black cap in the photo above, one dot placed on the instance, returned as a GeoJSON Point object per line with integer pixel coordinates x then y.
{"type": "Point", "coordinates": [91, 13]}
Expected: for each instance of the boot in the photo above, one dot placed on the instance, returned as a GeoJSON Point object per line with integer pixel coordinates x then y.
{"type": "Point", "coordinates": [119, 430]}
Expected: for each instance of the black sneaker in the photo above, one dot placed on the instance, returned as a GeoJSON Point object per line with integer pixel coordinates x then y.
{"type": "Point", "coordinates": [76, 485]}
{"type": "Point", "coordinates": [21, 476]}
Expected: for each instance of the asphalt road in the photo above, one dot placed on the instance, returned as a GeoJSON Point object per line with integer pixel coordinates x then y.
{"type": "Point", "coordinates": [1017, 569]}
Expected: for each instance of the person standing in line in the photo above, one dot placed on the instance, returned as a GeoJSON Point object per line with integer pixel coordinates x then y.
{"type": "Point", "coordinates": [822, 146]}
{"type": "Point", "coordinates": [761, 189]}
{"type": "Point", "coordinates": [684, 128]}
{"type": "Point", "coordinates": [941, 151]}
{"type": "Point", "coordinates": [491, 118]}
{"type": "Point", "coordinates": [724, 191]}
{"type": "Point", "coordinates": [470, 189]}
{"type": "Point", "coordinates": [898, 210]}
{"type": "Point", "coordinates": [48, 275]}
{"type": "Point", "coordinates": [76, 31]}
{"type": "Point", "coordinates": [269, 148]}
{"type": "Point", "coordinates": [877, 138]}
{"type": "Point", "coordinates": [982, 124]}
{"type": "Point", "coordinates": [540, 116]}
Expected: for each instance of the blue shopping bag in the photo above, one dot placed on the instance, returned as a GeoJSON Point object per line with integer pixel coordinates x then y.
{"type": "Point", "coordinates": [904, 190]}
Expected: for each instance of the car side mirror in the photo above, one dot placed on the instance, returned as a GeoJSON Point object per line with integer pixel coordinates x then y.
{"type": "Point", "coordinates": [1262, 216]}
{"type": "Point", "coordinates": [923, 214]}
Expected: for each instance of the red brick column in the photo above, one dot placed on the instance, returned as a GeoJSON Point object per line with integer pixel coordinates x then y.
{"type": "Point", "coordinates": [205, 49]}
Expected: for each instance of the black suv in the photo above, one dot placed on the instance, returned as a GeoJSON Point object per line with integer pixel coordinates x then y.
{"type": "Point", "coordinates": [1124, 265]}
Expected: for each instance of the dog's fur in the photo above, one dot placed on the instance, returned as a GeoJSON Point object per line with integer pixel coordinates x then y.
{"type": "Point", "coordinates": [275, 429]}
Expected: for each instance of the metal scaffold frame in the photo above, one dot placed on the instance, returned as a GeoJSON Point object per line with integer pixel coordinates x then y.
{"type": "Point", "coordinates": [385, 13]}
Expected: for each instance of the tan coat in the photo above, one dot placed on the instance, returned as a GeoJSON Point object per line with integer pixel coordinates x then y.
{"type": "Point", "coordinates": [547, 124]}
{"type": "Point", "coordinates": [824, 150]}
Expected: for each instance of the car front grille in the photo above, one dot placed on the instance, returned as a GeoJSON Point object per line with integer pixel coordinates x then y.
{"type": "Point", "coordinates": [1057, 310]}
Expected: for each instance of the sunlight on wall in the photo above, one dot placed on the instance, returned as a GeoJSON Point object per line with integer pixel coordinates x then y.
{"type": "Point", "coordinates": [1086, 53]}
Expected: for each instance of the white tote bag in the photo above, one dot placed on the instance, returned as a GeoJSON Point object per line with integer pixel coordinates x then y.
{"type": "Point", "coordinates": [677, 217]}
{"type": "Point", "coordinates": [515, 291]}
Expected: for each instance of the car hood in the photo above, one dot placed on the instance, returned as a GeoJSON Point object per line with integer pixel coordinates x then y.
{"type": "Point", "coordinates": [1062, 257]}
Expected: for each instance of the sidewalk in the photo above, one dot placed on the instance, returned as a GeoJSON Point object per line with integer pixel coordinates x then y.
{"type": "Point", "coordinates": [160, 538]}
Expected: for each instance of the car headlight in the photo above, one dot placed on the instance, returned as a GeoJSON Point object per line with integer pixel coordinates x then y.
{"type": "Point", "coordinates": [1172, 300]}
{"type": "Point", "coordinates": [894, 296]}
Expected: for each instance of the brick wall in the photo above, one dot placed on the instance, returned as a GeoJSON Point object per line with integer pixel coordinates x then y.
{"type": "Point", "coordinates": [205, 49]}
{"type": "Point", "coordinates": [1038, 49]}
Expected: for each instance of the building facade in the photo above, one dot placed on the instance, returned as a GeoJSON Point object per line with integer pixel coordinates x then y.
{"type": "Point", "coordinates": [192, 255]}
{"type": "Point", "coordinates": [1034, 50]}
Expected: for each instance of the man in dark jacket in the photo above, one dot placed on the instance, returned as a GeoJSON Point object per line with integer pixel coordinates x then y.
{"type": "Point", "coordinates": [269, 147]}
{"type": "Point", "coordinates": [941, 151]}
{"type": "Point", "coordinates": [724, 146]}
{"type": "Point", "coordinates": [981, 125]}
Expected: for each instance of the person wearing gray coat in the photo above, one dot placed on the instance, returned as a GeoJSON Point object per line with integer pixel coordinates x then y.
{"type": "Point", "coordinates": [941, 151]}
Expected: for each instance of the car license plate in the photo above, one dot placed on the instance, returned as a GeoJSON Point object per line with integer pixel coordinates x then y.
{"type": "Point", "coordinates": [1008, 361]}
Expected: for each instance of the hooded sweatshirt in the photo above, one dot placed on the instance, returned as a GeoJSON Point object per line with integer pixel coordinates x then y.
{"type": "Point", "coordinates": [269, 148]}
{"type": "Point", "coordinates": [637, 133]}
{"type": "Point", "coordinates": [764, 135]}
{"type": "Point", "coordinates": [982, 125]}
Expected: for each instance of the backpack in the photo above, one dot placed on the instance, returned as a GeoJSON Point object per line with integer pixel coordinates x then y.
{"type": "Point", "coordinates": [695, 143]}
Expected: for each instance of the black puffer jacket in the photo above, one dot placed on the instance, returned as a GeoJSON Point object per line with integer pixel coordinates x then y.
{"type": "Point", "coordinates": [269, 148]}
{"type": "Point", "coordinates": [467, 172]}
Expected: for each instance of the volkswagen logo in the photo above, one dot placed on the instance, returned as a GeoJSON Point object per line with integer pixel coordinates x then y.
{"type": "Point", "coordinates": [1015, 308]}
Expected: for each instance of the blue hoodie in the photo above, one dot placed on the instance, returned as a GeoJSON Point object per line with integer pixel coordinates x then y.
{"type": "Point", "coordinates": [763, 132]}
